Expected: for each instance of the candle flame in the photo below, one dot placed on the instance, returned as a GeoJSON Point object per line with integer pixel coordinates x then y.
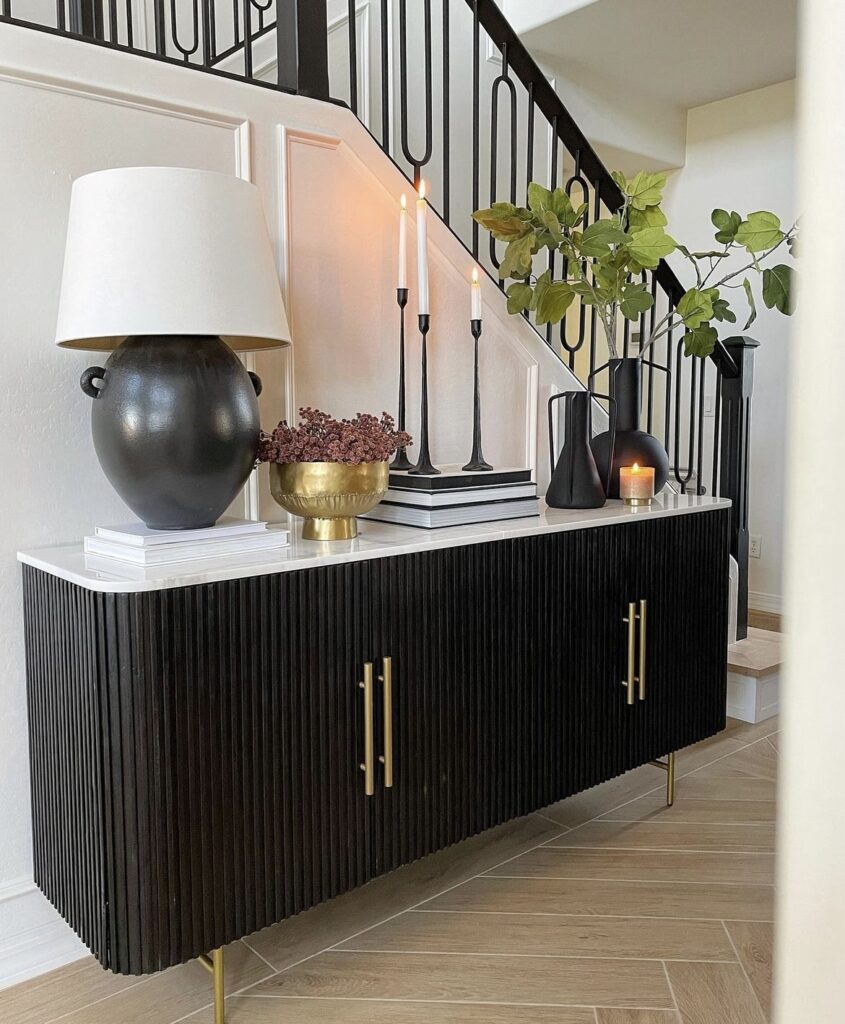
{"type": "Point", "coordinates": [475, 275]}
{"type": "Point", "coordinates": [404, 201]}
{"type": "Point", "coordinates": [635, 468]}
{"type": "Point", "coordinates": [422, 189]}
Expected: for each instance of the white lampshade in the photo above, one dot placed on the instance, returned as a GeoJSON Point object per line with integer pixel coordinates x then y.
{"type": "Point", "coordinates": [168, 250]}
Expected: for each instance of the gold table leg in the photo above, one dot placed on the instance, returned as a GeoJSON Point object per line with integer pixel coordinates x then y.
{"type": "Point", "coordinates": [668, 766]}
{"type": "Point", "coordinates": [670, 780]}
{"type": "Point", "coordinates": [214, 965]}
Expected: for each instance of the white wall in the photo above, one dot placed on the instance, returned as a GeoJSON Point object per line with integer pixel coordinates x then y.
{"type": "Point", "coordinates": [628, 129]}
{"type": "Point", "coordinates": [740, 155]}
{"type": "Point", "coordinates": [810, 929]}
{"type": "Point", "coordinates": [331, 200]}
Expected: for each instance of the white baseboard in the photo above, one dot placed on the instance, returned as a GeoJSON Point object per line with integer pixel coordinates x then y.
{"type": "Point", "coordinates": [33, 938]}
{"type": "Point", "coordinates": [765, 602]}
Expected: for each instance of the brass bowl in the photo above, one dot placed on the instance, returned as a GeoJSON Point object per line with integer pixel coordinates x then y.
{"type": "Point", "coordinates": [328, 495]}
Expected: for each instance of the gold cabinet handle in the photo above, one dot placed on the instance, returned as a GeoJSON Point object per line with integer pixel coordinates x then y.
{"type": "Point", "coordinates": [631, 620]}
{"type": "Point", "coordinates": [387, 757]}
{"type": "Point", "coordinates": [368, 767]}
{"type": "Point", "coordinates": [642, 617]}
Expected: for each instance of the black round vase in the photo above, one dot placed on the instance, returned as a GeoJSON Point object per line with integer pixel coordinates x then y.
{"type": "Point", "coordinates": [632, 444]}
{"type": "Point", "coordinates": [175, 426]}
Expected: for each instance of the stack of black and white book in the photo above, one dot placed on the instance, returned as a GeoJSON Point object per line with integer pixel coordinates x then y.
{"type": "Point", "coordinates": [136, 551]}
{"type": "Point", "coordinates": [457, 498]}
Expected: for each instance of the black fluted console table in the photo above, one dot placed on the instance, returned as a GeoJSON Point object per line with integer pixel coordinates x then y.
{"type": "Point", "coordinates": [214, 752]}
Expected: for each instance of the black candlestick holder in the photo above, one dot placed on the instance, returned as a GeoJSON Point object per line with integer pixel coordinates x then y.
{"type": "Point", "coordinates": [401, 463]}
{"type": "Point", "coordinates": [477, 463]}
{"type": "Point", "coordinates": [424, 467]}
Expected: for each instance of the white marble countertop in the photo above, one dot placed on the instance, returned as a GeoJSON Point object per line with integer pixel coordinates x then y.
{"type": "Point", "coordinates": [376, 540]}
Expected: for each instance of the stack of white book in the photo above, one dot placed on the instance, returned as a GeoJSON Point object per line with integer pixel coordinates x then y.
{"type": "Point", "coordinates": [135, 549]}
{"type": "Point", "coordinates": [457, 498]}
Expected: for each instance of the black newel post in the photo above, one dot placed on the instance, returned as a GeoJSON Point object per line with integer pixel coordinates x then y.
{"type": "Point", "coordinates": [735, 455]}
{"type": "Point", "coordinates": [86, 18]}
{"type": "Point", "coordinates": [303, 47]}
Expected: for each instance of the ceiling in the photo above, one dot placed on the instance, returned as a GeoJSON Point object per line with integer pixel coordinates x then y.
{"type": "Point", "coordinates": [683, 52]}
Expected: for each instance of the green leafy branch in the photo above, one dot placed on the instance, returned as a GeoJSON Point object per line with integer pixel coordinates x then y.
{"type": "Point", "coordinates": [602, 261]}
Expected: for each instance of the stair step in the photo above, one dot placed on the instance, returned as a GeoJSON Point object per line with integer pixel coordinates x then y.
{"type": "Point", "coordinates": [760, 654]}
{"type": "Point", "coordinates": [754, 675]}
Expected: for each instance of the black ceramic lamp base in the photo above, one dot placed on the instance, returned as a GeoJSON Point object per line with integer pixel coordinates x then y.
{"type": "Point", "coordinates": [175, 426]}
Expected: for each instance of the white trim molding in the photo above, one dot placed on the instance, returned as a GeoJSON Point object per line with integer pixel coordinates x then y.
{"type": "Point", "coordinates": [34, 940]}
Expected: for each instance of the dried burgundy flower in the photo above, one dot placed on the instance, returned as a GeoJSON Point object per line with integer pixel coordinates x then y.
{"type": "Point", "coordinates": [320, 438]}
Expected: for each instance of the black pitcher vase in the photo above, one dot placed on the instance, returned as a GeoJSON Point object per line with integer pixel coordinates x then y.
{"type": "Point", "coordinates": [576, 480]}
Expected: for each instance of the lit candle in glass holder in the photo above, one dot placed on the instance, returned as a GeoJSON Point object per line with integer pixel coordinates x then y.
{"type": "Point", "coordinates": [636, 484]}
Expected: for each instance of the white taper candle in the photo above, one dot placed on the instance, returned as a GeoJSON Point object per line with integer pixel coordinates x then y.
{"type": "Point", "coordinates": [422, 251]}
{"type": "Point", "coordinates": [476, 295]}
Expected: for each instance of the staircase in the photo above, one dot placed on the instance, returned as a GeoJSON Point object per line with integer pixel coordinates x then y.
{"type": "Point", "coordinates": [453, 96]}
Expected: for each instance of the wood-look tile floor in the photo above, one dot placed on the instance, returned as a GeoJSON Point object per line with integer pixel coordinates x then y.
{"type": "Point", "coordinates": [608, 908]}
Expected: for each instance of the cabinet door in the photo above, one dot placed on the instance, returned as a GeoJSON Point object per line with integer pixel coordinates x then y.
{"type": "Point", "coordinates": [575, 589]}
{"type": "Point", "coordinates": [328, 616]}
{"type": "Point", "coordinates": [570, 660]}
{"type": "Point", "coordinates": [679, 566]}
{"type": "Point", "coordinates": [292, 816]}
{"type": "Point", "coordinates": [438, 617]}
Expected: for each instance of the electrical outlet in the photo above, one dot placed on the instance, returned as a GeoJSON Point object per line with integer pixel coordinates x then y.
{"type": "Point", "coordinates": [709, 405]}
{"type": "Point", "coordinates": [755, 548]}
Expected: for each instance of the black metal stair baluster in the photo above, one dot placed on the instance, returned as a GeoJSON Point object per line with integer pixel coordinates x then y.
{"type": "Point", "coordinates": [553, 158]}
{"type": "Point", "coordinates": [683, 478]}
{"type": "Point", "coordinates": [476, 123]}
{"type": "Point", "coordinates": [61, 23]}
{"type": "Point", "coordinates": [593, 318]}
{"type": "Point", "coordinates": [236, 21]}
{"type": "Point", "coordinates": [643, 315]}
{"type": "Point", "coordinates": [418, 163]}
{"type": "Point", "coordinates": [386, 91]}
{"type": "Point", "coordinates": [529, 165]}
{"type": "Point", "coordinates": [186, 51]}
{"type": "Point", "coordinates": [159, 27]}
{"type": "Point", "coordinates": [502, 80]}
{"type": "Point", "coordinates": [626, 329]}
{"type": "Point", "coordinates": [208, 33]}
{"type": "Point", "coordinates": [247, 15]}
{"type": "Point", "coordinates": [262, 13]}
{"type": "Point", "coordinates": [575, 179]}
{"type": "Point", "coordinates": [651, 355]}
{"type": "Point", "coordinates": [717, 440]}
{"type": "Point", "coordinates": [668, 404]}
{"type": "Point", "coordinates": [130, 24]}
{"type": "Point", "coordinates": [447, 100]}
{"type": "Point", "coordinates": [353, 55]}
{"type": "Point", "coordinates": [6, 8]}
{"type": "Point", "coordinates": [113, 21]}
{"type": "Point", "coordinates": [699, 466]}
